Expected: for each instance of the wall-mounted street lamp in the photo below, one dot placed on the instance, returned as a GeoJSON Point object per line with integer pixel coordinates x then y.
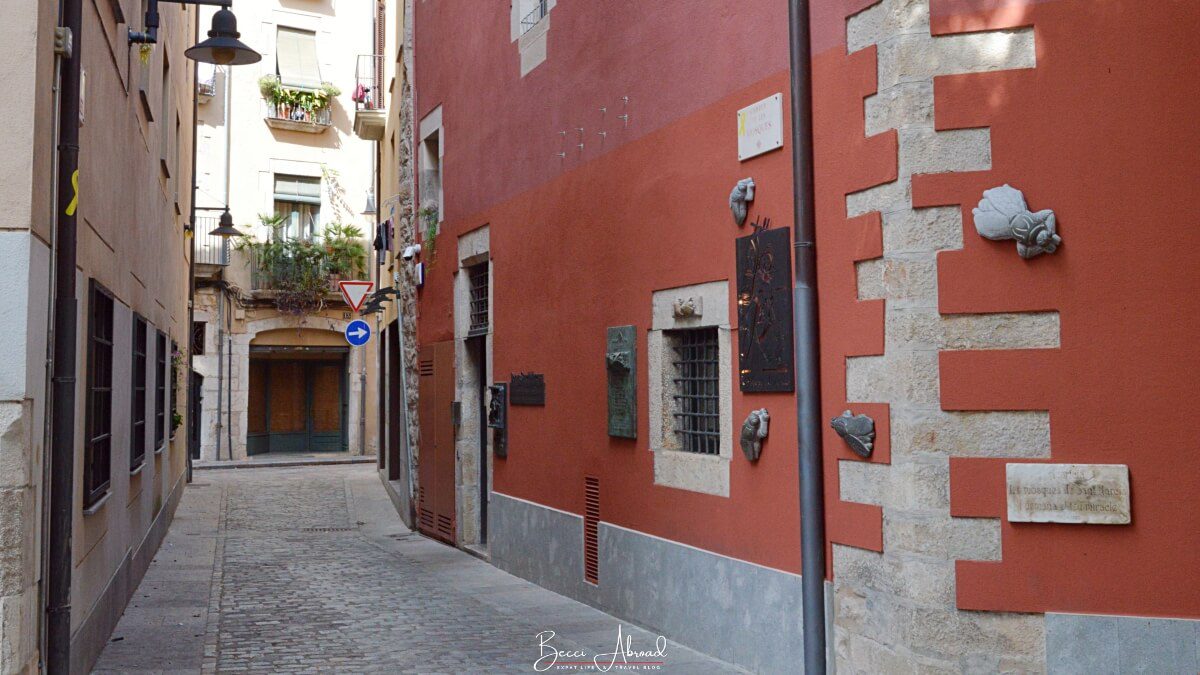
{"type": "Point", "coordinates": [225, 228]}
{"type": "Point", "coordinates": [222, 47]}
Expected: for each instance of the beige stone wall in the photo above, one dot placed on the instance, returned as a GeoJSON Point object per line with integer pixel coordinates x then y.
{"type": "Point", "coordinates": [134, 169]}
{"type": "Point", "coordinates": [895, 611]}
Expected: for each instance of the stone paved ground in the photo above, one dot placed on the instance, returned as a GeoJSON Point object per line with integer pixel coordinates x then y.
{"type": "Point", "coordinates": [309, 570]}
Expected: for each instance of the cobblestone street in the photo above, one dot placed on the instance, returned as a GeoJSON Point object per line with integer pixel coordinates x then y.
{"type": "Point", "coordinates": [310, 570]}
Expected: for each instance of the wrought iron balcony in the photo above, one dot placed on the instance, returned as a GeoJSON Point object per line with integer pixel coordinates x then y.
{"type": "Point", "coordinates": [370, 114]}
{"type": "Point", "coordinates": [295, 118]}
{"type": "Point", "coordinates": [210, 249]}
{"type": "Point", "coordinates": [206, 83]}
{"type": "Point", "coordinates": [535, 15]}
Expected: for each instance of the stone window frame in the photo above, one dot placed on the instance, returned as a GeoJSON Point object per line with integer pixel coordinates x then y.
{"type": "Point", "coordinates": [673, 466]}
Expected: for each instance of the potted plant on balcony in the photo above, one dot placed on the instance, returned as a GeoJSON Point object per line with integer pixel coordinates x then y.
{"type": "Point", "coordinates": [345, 253]}
{"type": "Point", "coordinates": [297, 105]}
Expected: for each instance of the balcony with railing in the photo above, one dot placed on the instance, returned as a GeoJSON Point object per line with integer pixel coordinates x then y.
{"type": "Point", "coordinates": [297, 118]}
{"type": "Point", "coordinates": [370, 108]}
{"type": "Point", "coordinates": [210, 249]}
{"type": "Point", "coordinates": [534, 16]}
{"type": "Point", "coordinates": [206, 82]}
{"type": "Point", "coordinates": [307, 109]}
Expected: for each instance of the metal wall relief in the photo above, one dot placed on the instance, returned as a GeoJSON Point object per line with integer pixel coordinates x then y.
{"type": "Point", "coordinates": [497, 418]}
{"type": "Point", "coordinates": [857, 430]}
{"type": "Point", "coordinates": [764, 308]}
{"type": "Point", "coordinates": [754, 431]}
{"type": "Point", "coordinates": [527, 389]}
{"type": "Point", "coordinates": [1002, 214]}
{"type": "Point", "coordinates": [620, 360]}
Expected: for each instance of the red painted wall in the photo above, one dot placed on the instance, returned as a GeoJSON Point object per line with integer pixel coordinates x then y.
{"type": "Point", "coordinates": [1104, 131]}
{"type": "Point", "coordinates": [580, 244]}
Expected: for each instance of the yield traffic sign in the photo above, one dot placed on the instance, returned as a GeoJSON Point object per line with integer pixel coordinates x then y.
{"type": "Point", "coordinates": [355, 292]}
{"type": "Point", "coordinates": [358, 333]}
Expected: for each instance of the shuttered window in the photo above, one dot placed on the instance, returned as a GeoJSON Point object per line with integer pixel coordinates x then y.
{"type": "Point", "coordinates": [160, 392]}
{"type": "Point", "coordinates": [137, 450]}
{"type": "Point", "coordinates": [298, 200]}
{"type": "Point", "coordinates": [97, 460]}
{"type": "Point", "coordinates": [296, 58]}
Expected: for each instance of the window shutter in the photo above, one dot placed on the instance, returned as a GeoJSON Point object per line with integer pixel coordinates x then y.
{"type": "Point", "coordinates": [296, 58]}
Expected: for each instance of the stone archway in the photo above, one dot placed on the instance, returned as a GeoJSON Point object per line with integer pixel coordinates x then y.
{"type": "Point", "coordinates": [331, 328]}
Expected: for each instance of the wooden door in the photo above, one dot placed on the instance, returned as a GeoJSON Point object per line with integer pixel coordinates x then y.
{"type": "Point", "coordinates": [436, 461]}
{"type": "Point", "coordinates": [288, 401]}
{"type": "Point", "coordinates": [325, 406]}
{"type": "Point", "coordinates": [258, 439]}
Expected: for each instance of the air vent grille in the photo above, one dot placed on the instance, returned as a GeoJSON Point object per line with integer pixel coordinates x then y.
{"type": "Point", "coordinates": [591, 526]}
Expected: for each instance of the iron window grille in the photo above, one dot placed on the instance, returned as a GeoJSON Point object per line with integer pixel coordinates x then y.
{"type": "Point", "coordinates": [478, 280]}
{"type": "Point", "coordinates": [160, 392]}
{"type": "Point", "coordinates": [198, 329]}
{"type": "Point", "coordinates": [696, 395]}
{"type": "Point", "coordinates": [97, 464]}
{"type": "Point", "coordinates": [171, 393]}
{"type": "Point", "coordinates": [533, 16]}
{"type": "Point", "coordinates": [137, 449]}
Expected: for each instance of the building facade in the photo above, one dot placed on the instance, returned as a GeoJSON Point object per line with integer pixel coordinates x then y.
{"type": "Point", "coordinates": [132, 208]}
{"type": "Point", "coordinates": [277, 146]}
{"type": "Point", "coordinates": [572, 201]}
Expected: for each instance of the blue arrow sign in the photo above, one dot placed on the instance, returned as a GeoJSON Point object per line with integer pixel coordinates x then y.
{"type": "Point", "coordinates": [358, 333]}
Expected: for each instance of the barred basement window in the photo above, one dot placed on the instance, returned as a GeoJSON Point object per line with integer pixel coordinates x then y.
{"type": "Point", "coordinates": [97, 460]}
{"type": "Point", "coordinates": [160, 392]}
{"type": "Point", "coordinates": [696, 395]}
{"type": "Point", "coordinates": [478, 278]}
{"type": "Point", "coordinates": [137, 449]}
{"type": "Point", "coordinates": [198, 329]}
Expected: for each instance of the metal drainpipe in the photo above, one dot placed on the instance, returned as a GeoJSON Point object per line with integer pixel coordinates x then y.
{"type": "Point", "coordinates": [192, 257]}
{"type": "Point", "coordinates": [220, 366]}
{"type": "Point", "coordinates": [62, 443]}
{"type": "Point", "coordinates": [808, 381]}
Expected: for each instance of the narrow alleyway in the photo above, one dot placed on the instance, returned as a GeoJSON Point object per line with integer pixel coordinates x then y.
{"type": "Point", "coordinates": [309, 570]}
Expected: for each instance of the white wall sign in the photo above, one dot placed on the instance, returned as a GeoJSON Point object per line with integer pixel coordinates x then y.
{"type": "Point", "coordinates": [1096, 494]}
{"type": "Point", "coordinates": [760, 127]}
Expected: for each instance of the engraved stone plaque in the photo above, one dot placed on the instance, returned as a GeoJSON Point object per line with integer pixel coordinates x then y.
{"type": "Point", "coordinates": [1096, 494]}
{"type": "Point", "coordinates": [527, 389]}
{"type": "Point", "coordinates": [620, 360]}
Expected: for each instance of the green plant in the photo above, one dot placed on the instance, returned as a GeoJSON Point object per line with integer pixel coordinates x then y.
{"type": "Point", "coordinates": [429, 221]}
{"type": "Point", "coordinates": [345, 253]}
{"type": "Point", "coordinates": [176, 420]}
{"type": "Point", "coordinates": [269, 87]}
{"type": "Point", "coordinates": [287, 98]}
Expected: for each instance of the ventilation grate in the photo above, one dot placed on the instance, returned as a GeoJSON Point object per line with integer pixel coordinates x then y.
{"type": "Point", "coordinates": [478, 279]}
{"type": "Point", "coordinates": [445, 527]}
{"type": "Point", "coordinates": [425, 367]}
{"type": "Point", "coordinates": [591, 526]}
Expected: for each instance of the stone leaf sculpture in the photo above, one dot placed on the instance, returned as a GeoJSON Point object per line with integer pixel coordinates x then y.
{"type": "Point", "coordinates": [857, 430]}
{"type": "Point", "coordinates": [754, 430]}
{"type": "Point", "coordinates": [1002, 214]}
{"type": "Point", "coordinates": [742, 193]}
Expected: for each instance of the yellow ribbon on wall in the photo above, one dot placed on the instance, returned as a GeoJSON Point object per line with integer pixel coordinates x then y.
{"type": "Point", "coordinates": [74, 200]}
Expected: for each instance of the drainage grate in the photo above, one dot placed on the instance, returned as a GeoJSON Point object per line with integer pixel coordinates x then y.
{"type": "Point", "coordinates": [328, 529]}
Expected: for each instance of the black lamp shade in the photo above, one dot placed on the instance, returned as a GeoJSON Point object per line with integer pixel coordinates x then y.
{"type": "Point", "coordinates": [226, 228]}
{"type": "Point", "coordinates": [223, 46]}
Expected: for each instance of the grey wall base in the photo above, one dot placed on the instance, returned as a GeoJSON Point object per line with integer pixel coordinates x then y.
{"type": "Point", "coordinates": [1094, 644]}
{"type": "Point", "coordinates": [93, 632]}
{"type": "Point", "coordinates": [730, 609]}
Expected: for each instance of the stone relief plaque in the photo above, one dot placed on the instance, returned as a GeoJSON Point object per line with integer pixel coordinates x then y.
{"type": "Point", "coordinates": [1096, 494]}
{"type": "Point", "coordinates": [620, 361]}
{"type": "Point", "coordinates": [764, 307]}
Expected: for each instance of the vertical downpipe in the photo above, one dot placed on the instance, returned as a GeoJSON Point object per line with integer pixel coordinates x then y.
{"type": "Point", "coordinates": [191, 306]}
{"type": "Point", "coordinates": [808, 381]}
{"type": "Point", "coordinates": [62, 442]}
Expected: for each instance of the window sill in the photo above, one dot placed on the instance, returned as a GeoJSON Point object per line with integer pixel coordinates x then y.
{"type": "Point", "coordinates": [94, 508]}
{"type": "Point", "coordinates": [160, 449]}
{"type": "Point", "coordinates": [138, 469]}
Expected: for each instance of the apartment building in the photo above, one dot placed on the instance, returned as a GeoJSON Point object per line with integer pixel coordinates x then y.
{"type": "Point", "coordinates": [277, 148]}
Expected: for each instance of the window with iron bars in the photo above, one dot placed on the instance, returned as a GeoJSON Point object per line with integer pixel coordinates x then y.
{"type": "Point", "coordinates": [696, 390]}
{"type": "Point", "coordinates": [97, 462]}
{"type": "Point", "coordinates": [478, 279]}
